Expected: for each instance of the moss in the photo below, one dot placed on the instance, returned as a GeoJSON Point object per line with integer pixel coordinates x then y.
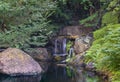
{"type": "Point", "coordinates": [109, 18]}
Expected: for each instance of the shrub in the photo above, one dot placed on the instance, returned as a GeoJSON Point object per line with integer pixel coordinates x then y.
{"type": "Point", "coordinates": [105, 49]}
{"type": "Point", "coordinates": [25, 22]}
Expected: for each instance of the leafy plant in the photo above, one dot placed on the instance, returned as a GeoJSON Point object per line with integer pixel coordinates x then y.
{"type": "Point", "coordinates": [113, 13]}
{"type": "Point", "coordinates": [25, 22]}
{"type": "Point", "coordinates": [68, 10]}
{"type": "Point", "coordinates": [105, 49]}
{"type": "Point", "coordinates": [90, 21]}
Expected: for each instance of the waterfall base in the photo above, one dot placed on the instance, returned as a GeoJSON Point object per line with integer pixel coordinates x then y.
{"type": "Point", "coordinates": [59, 54]}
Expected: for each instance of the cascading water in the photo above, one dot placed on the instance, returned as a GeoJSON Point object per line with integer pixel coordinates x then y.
{"type": "Point", "coordinates": [71, 52]}
{"type": "Point", "coordinates": [64, 46]}
{"type": "Point", "coordinates": [60, 47]}
{"type": "Point", "coordinates": [55, 49]}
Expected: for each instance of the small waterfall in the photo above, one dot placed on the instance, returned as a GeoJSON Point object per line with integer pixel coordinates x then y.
{"type": "Point", "coordinates": [64, 46]}
{"type": "Point", "coordinates": [60, 47]}
{"type": "Point", "coordinates": [71, 52]}
{"type": "Point", "coordinates": [55, 49]}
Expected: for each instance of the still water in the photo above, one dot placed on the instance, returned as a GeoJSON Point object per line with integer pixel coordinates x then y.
{"type": "Point", "coordinates": [54, 74]}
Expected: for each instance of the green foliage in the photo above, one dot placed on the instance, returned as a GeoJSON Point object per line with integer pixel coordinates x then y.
{"type": "Point", "coordinates": [86, 3]}
{"type": "Point", "coordinates": [69, 72]}
{"type": "Point", "coordinates": [26, 22]}
{"type": "Point", "coordinates": [114, 4]}
{"type": "Point", "coordinates": [67, 10]}
{"type": "Point", "coordinates": [115, 78]}
{"type": "Point", "coordinates": [93, 79]}
{"type": "Point", "coordinates": [104, 4]}
{"type": "Point", "coordinates": [113, 14]}
{"type": "Point", "coordinates": [105, 51]}
{"type": "Point", "coordinates": [69, 45]}
{"type": "Point", "coordinates": [104, 31]}
{"type": "Point", "coordinates": [109, 18]}
{"type": "Point", "coordinates": [90, 21]}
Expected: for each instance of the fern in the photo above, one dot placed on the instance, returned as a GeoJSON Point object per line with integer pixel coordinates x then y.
{"type": "Point", "coordinates": [105, 51]}
{"type": "Point", "coordinates": [90, 21]}
{"type": "Point", "coordinates": [25, 20]}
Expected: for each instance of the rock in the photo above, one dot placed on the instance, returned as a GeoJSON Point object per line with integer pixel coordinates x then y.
{"type": "Point", "coordinates": [77, 60]}
{"type": "Point", "coordinates": [88, 39]}
{"type": "Point", "coordinates": [75, 31]}
{"type": "Point", "coordinates": [16, 62]}
{"type": "Point", "coordinates": [79, 75]}
{"type": "Point", "coordinates": [90, 66]}
{"type": "Point", "coordinates": [69, 31]}
{"type": "Point", "coordinates": [41, 56]}
{"type": "Point", "coordinates": [82, 44]}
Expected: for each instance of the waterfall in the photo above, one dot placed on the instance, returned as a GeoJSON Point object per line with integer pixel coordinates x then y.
{"type": "Point", "coordinates": [71, 52]}
{"type": "Point", "coordinates": [60, 47]}
{"type": "Point", "coordinates": [55, 49]}
{"type": "Point", "coordinates": [64, 46]}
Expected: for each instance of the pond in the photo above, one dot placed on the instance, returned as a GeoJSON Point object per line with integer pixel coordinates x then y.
{"type": "Point", "coordinates": [55, 74]}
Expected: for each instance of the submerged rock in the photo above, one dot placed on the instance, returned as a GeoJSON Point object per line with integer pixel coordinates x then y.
{"type": "Point", "coordinates": [16, 62]}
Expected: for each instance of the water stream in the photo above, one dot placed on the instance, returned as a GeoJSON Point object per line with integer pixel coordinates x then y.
{"type": "Point", "coordinates": [71, 52]}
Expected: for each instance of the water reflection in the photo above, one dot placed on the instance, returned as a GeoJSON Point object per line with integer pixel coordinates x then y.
{"type": "Point", "coordinates": [54, 74]}
{"type": "Point", "coordinates": [68, 74]}
{"type": "Point", "coordinates": [62, 74]}
{"type": "Point", "coordinates": [4, 78]}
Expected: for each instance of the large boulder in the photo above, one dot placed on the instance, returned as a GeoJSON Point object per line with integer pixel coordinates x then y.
{"type": "Point", "coordinates": [16, 62]}
{"type": "Point", "coordinates": [41, 56]}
